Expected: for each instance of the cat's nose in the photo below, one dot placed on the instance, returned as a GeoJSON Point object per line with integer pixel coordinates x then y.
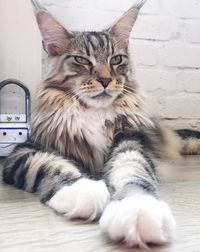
{"type": "Point", "coordinates": [104, 81]}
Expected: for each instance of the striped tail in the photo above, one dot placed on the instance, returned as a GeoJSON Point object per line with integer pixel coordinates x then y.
{"type": "Point", "coordinates": [172, 144]}
{"type": "Point", "coordinates": [190, 141]}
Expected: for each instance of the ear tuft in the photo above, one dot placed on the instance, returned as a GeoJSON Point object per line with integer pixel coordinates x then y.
{"type": "Point", "coordinates": [123, 27]}
{"type": "Point", "coordinates": [139, 3]}
{"type": "Point", "coordinates": [55, 37]}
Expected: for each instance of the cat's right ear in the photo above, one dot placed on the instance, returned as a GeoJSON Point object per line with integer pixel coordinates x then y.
{"type": "Point", "coordinates": [55, 37]}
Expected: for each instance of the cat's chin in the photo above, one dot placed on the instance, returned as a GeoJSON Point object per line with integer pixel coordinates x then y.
{"type": "Point", "coordinates": [99, 101]}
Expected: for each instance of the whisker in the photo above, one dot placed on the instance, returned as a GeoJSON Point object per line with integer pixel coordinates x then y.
{"type": "Point", "coordinates": [129, 88]}
{"type": "Point", "coordinates": [127, 91]}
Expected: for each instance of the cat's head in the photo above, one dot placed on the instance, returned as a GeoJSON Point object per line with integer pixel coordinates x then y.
{"type": "Point", "coordinates": [94, 67]}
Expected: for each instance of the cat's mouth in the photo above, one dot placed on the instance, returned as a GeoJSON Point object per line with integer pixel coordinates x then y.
{"type": "Point", "coordinates": [103, 94]}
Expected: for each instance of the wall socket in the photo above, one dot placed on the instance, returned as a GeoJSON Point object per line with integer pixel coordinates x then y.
{"type": "Point", "coordinates": [10, 137]}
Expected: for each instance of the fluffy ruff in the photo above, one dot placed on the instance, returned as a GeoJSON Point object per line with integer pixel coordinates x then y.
{"type": "Point", "coordinates": [92, 147]}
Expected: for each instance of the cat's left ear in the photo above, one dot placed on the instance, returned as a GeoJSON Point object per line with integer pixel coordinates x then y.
{"type": "Point", "coordinates": [123, 27]}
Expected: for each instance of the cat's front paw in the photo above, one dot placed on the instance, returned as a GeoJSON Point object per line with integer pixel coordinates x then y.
{"type": "Point", "coordinates": [138, 221]}
{"type": "Point", "coordinates": [84, 199]}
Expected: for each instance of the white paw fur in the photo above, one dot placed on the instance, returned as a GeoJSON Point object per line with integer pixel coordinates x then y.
{"type": "Point", "coordinates": [84, 199]}
{"type": "Point", "coordinates": [138, 221]}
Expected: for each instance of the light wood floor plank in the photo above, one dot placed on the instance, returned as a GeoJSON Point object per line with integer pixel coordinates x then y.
{"type": "Point", "coordinates": [27, 225]}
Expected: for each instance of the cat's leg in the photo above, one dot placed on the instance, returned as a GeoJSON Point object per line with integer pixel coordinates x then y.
{"type": "Point", "coordinates": [58, 182]}
{"type": "Point", "coordinates": [136, 215]}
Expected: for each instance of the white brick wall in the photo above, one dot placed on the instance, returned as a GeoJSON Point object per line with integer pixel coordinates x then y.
{"type": "Point", "coordinates": [165, 45]}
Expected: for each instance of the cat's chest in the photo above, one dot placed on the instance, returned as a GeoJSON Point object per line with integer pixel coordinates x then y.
{"type": "Point", "coordinates": [96, 129]}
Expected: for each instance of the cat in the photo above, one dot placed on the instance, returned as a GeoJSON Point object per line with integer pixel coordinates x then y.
{"type": "Point", "coordinates": [92, 146]}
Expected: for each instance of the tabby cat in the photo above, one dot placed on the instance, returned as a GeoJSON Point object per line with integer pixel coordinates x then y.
{"type": "Point", "coordinates": [92, 146]}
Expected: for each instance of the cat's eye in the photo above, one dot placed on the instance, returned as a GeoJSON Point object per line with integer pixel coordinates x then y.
{"type": "Point", "coordinates": [116, 60]}
{"type": "Point", "coordinates": [82, 60]}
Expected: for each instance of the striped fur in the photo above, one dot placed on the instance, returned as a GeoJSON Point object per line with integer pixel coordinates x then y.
{"type": "Point", "coordinates": [91, 137]}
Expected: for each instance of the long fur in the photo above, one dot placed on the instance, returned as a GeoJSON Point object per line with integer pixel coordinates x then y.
{"type": "Point", "coordinates": [89, 124]}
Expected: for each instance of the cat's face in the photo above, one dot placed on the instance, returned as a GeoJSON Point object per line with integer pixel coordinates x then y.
{"type": "Point", "coordinates": [93, 67]}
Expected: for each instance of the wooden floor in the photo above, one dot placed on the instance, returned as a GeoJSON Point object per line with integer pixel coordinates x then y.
{"type": "Point", "coordinates": [26, 225]}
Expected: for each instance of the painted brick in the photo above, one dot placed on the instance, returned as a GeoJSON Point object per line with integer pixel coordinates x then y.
{"type": "Point", "coordinates": [151, 7]}
{"type": "Point", "coordinates": [114, 5]}
{"type": "Point", "coordinates": [154, 79]}
{"type": "Point", "coordinates": [79, 19]}
{"type": "Point", "coordinates": [157, 28]}
{"type": "Point", "coordinates": [144, 53]}
{"type": "Point", "coordinates": [178, 54]}
{"type": "Point", "coordinates": [183, 123]}
{"type": "Point", "coordinates": [192, 32]}
{"type": "Point", "coordinates": [179, 105]}
{"type": "Point", "coordinates": [190, 81]}
{"type": "Point", "coordinates": [86, 4]}
{"type": "Point", "coordinates": [183, 9]}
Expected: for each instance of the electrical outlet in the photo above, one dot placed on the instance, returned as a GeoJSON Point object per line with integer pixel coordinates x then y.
{"type": "Point", "coordinates": [13, 135]}
{"type": "Point", "coordinates": [10, 137]}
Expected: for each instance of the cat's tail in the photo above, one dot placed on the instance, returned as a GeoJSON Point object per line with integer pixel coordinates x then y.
{"type": "Point", "coordinates": [171, 144]}
{"type": "Point", "coordinates": [190, 141]}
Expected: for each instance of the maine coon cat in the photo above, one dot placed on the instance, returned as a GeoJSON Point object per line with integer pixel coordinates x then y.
{"type": "Point", "coordinates": [92, 147]}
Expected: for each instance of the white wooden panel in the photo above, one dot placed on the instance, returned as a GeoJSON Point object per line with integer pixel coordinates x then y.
{"type": "Point", "coordinates": [20, 43]}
